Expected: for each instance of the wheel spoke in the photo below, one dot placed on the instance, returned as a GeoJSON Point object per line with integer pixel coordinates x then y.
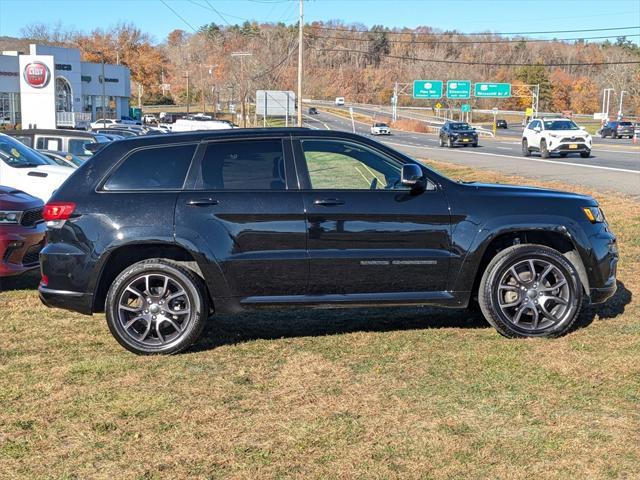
{"type": "Point", "coordinates": [146, 285]}
{"type": "Point", "coordinates": [165, 286]}
{"type": "Point", "coordinates": [554, 287]}
{"type": "Point", "coordinates": [126, 308]}
{"type": "Point", "coordinates": [175, 295]}
{"type": "Point", "coordinates": [546, 272]}
{"type": "Point", "coordinates": [135, 291]}
{"type": "Point", "coordinates": [536, 319]}
{"type": "Point", "coordinates": [532, 269]}
{"type": "Point", "coordinates": [511, 288]}
{"type": "Point", "coordinates": [132, 321]}
{"type": "Point", "coordinates": [143, 335]}
{"type": "Point", "coordinates": [516, 318]}
{"type": "Point", "coordinates": [160, 337]}
{"type": "Point", "coordinates": [173, 324]}
{"type": "Point", "coordinates": [510, 304]}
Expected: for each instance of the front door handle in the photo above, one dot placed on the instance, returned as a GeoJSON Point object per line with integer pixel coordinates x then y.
{"type": "Point", "coordinates": [202, 202]}
{"type": "Point", "coordinates": [328, 202]}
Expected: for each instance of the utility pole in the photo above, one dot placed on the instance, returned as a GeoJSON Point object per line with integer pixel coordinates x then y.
{"type": "Point", "coordinates": [243, 89]}
{"type": "Point", "coordinates": [104, 81]}
{"type": "Point", "coordinates": [139, 95]}
{"type": "Point", "coordinates": [622, 92]}
{"type": "Point", "coordinates": [300, 40]}
{"type": "Point", "coordinates": [188, 98]}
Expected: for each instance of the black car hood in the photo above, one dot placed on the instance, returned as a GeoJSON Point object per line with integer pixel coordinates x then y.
{"type": "Point", "coordinates": [519, 190]}
{"type": "Point", "coordinates": [12, 199]}
{"type": "Point", "coordinates": [466, 132]}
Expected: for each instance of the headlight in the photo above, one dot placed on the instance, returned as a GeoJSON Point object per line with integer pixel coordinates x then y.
{"type": "Point", "coordinates": [10, 216]}
{"type": "Point", "coordinates": [594, 214]}
{"type": "Point", "coordinates": [554, 135]}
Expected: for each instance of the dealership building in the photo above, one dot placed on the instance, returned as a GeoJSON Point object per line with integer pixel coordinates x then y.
{"type": "Point", "coordinates": [50, 87]}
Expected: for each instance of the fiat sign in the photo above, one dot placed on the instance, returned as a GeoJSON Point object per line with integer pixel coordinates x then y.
{"type": "Point", "coordinates": [37, 74]}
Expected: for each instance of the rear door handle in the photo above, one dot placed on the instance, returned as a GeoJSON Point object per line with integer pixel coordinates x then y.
{"type": "Point", "coordinates": [328, 202]}
{"type": "Point", "coordinates": [202, 202]}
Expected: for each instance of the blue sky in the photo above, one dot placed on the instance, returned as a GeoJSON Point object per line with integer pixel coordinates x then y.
{"type": "Point", "coordinates": [465, 15]}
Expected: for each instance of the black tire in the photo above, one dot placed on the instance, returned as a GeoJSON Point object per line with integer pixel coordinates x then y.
{"type": "Point", "coordinates": [489, 296]}
{"type": "Point", "coordinates": [191, 295]}
{"type": "Point", "coordinates": [474, 145]}
{"type": "Point", "coordinates": [525, 148]}
{"type": "Point", "coordinates": [544, 151]}
{"type": "Point", "coordinates": [614, 135]}
{"type": "Point", "coordinates": [585, 154]}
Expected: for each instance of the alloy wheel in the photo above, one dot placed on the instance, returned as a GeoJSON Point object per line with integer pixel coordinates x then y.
{"type": "Point", "coordinates": [535, 295]}
{"type": "Point", "coordinates": [154, 310]}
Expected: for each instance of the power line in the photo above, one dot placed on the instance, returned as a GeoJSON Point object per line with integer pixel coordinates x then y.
{"type": "Point", "coordinates": [219, 14]}
{"type": "Point", "coordinates": [454, 42]}
{"type": "Point", "coordinates": [414, 32]}
{"type": "Point", "coordinates": [178, 15]}
{"type": "Point", "coordinates": [486, 64]}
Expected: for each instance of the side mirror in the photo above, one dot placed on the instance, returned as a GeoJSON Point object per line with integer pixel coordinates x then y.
{"type": "Point", "coordinates": [412, 176]}
{"type": "Point", "coordinates": [583, 127]}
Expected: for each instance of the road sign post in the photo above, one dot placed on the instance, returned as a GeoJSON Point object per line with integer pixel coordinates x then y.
{"type": "Point", "coordinates": [459, 89]}
{"type": "Point", "coordinates": [492, 90]}
{"type": "Point", "coordinates": [430, 89]}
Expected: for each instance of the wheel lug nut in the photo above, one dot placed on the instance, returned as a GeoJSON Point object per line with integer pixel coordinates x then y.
{"type": "Point", "coordinates": [153, 317]}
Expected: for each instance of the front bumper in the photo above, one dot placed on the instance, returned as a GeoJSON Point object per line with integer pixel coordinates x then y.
{"type": "Point", "coordinates": [19, 249]}
{"type": "Point", "coordinates": [603, 265]}
{"type": "Point", "coordinates": [465, 140]}
{"type": "Point", "coordinates": [566, 147]}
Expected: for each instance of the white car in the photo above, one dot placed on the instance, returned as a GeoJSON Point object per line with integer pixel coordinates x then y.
{"type": "Point", "coordinates": [25, 169]}
{"type": "Point", "coordinates": [339, 101]}
{"type": "Point", "coordinates": [149, 118]}
{"type": "Point", "coordinates": [380, 128]}
{"type": "Point", "coordinates": [184, 125]}
{"type": "Point", "coordinates": [555, 135]}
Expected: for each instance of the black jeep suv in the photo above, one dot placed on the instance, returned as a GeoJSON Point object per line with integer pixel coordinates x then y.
{"type": "Point", "coordinates": [160, 232]}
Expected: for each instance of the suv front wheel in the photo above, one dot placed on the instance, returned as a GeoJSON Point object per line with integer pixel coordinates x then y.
{"type": "Point", "coordinates": [156, 307]}
{"type": "Point", "coordinates": [530, 291]}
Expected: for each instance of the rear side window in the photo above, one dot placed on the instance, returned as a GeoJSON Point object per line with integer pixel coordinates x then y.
{"type": "Point", "coordinates": [244, 165]}
{"type": "Point", "coordinates": [49, 143]}
{"type": "Point", "coordinates": [160, 168]}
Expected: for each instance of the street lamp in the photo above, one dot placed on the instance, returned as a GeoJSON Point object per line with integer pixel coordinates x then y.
{"type": "Point", "coordinates": [606, 99]}
{"type": "Point", "coordinates": [242, 86]}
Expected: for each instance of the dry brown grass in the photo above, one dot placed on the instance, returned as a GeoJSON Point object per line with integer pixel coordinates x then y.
{"type": "Point", "coordinates": [397, 393]}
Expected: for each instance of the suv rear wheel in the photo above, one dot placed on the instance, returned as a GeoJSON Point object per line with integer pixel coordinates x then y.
{"type": "Point", "coordinates": [156, 307]}
{"type": "Point", "coordinates": [530, 291]}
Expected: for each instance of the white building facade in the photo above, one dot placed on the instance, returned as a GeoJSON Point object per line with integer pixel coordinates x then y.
{"type": "Point", "coordinates": [52, 88]}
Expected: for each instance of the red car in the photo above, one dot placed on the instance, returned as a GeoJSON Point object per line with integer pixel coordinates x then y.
{"type": "Point", "coordinates": [21, 231]}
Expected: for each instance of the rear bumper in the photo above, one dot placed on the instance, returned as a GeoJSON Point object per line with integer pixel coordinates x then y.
{"type": "Point", "coordinates": [601, 295]}
{"type": "Point", "coordinates": [74, 301]}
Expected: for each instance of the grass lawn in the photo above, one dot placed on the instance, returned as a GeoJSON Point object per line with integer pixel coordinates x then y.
{"type": "Point", "coordinates": [390, 393]}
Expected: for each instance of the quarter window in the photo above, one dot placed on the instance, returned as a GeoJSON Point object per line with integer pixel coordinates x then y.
{"type": "Point", "coordinates": [49, 143]}
{"type": "Point", "coordinates": [334, 164]}
{"type": "Point", "coordinates": [244, 165]}
{"type": "Point", "coordinates": [160, 168]}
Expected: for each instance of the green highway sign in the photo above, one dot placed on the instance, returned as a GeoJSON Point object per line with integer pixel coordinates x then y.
{"type": "Point", "coordinates": [427, 89]}
{"type": "Point", "coordinates": [466, 107]}
{"type": "Point", "coordinates": [492, 90]}
{"type": "Point", "coordinates": [459, 89]}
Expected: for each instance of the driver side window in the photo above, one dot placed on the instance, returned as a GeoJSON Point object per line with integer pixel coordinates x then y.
{"type": "Point", "coordinates": [339, 165]}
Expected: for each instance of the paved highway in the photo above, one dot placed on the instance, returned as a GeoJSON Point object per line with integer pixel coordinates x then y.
{"type": "Point", "coordinates": [614, 165]}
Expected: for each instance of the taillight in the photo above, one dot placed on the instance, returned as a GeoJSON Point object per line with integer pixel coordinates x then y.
{"type": "Point", "coordinates": [56, 213]}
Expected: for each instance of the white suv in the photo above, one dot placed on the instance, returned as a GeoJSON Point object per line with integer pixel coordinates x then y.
{"type": "Point", "coordinates": [380, 128]}
{"type": "Point", "coordinates": [555, 135]}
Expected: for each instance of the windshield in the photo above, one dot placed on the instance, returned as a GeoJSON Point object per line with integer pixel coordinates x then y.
{"type": "Point", "coordinates": [460, 126]}
{"type": "Point", "coordinates": [380, 125]}
{"type": "Point", "coordinates": [560, 125]}
{"type": "Point", "coordinates": [17, 155]}
{"type": "Point", "coordinates": [626, 124]}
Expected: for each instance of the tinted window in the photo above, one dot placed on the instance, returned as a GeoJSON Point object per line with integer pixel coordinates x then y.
{"type": "Point", "coordinates": [244, 165]}
{"type": "Point", "coordinates": [460, 126]}
{"type": "Point", "coordinates": [334, 164]}
{"type": "Point", "coordinates": [161, 168]}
